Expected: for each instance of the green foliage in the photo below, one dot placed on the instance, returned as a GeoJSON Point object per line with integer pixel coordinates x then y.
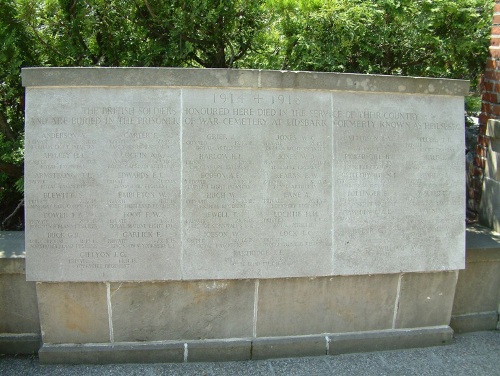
{"type": "Point", "coordinates": [438, 38]}
{"type": "Point", "coordinates": [17, 50]}
{"type": "Point", "coordinates": [473, 104]}
{"type": "Point", "coordinates": [420, 38]}
{"type": "Point", "coordinates": [83, 33]}
{"type": "Point", "coordinates": [204, 33]}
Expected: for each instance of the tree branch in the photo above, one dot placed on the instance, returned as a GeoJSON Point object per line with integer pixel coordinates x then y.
{"type": "Point", "coordinates": [194, 40]}
{"type": "Point", "coordinates": [6, 220]}
{"type": "Point", "coordinates": [243, 50]}
{"type": "Point", "coordinates": [40, 39]}
{"type": "Point", "coordinates": [11, 169]}
{"type": "Point", "coordinates": [232, 60]}
{"type": "Point", "coordinates": [288, 53]}
{"type": "Point", "coordinates": [198, 60]}
{"type": "Point", "coordinates": [150, 9]}
{"type": "Point", "coordinates": [76, 35]}
{"type": "Point", "coordinates": [5, 128]}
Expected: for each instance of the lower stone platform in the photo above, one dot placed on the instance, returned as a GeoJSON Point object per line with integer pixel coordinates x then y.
{"type": "Point", "coordinates": [244, 349]}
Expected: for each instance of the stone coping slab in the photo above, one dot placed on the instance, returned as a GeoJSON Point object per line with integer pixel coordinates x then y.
{"type": "Point", "coordinates": [236, 78]}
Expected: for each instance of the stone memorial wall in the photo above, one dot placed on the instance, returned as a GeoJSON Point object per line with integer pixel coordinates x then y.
{"type": "Point", "coordinates": [141, 174]}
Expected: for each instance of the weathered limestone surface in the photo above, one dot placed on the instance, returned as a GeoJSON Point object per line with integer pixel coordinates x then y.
{"type": "Point", "coordinates": [425, 299]}
{"type": "Point", "coordinates": [184, 174]}
{"type": "Point", "coordinates": [18, 304]}
{"type": "Point", "coordinates": [73, 313]}
{"type": "Point", "coordinates": [299, 306]}
{"type": "Point", "coordinates": [489, 212]}
{"type": "Point", "coordinates": [182, 310]}
{"type": "Point", "coordinates": [19, 320]}
{"type": "Point", "coordinates": [476, 305]}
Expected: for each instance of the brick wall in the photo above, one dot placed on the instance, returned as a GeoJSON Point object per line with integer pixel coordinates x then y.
{"type": "Point", "coordinates": [490, 110]}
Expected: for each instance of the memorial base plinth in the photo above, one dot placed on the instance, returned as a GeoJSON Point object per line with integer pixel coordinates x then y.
{"type": "Point", "coordinates": [176, 321]}
{"type": "Point", "coordinates": [244, 348]}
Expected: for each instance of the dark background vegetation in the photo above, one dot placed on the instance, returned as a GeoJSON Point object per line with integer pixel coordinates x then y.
{"type": "Point", "coordinates": [440, 38]}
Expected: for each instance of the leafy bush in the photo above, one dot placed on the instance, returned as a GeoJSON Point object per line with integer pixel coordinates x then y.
{"type": "Point", "coordinates": [439, 38]}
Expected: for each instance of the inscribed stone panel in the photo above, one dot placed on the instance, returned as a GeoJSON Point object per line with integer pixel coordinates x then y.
{"type": "Point", "coordinates": [398, 183]}
{"type": "Point", "coordinates": [256, 183]}
{"type": "Point", "coordinates": [102, 184]}
{"type": "Point", "coordinates": [309, 175]}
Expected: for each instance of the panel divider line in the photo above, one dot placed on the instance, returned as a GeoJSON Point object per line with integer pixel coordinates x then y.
{"type": "Point", "coordinates": [110, 313]}
{"type": "Point", "coordinates": [186, 352]}
{"type": "Point", "coordinates": [255, 308]}
{"type": "Point", "coordinates": [181, 214]}
{"type": "Point", "coordinates": [332, 182]}
{"type": "Point", "coordinates": [396, 303]}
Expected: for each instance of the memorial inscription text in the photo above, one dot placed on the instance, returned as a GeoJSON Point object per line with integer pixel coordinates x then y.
{"type": "Point", "coordinates": [236, 183]}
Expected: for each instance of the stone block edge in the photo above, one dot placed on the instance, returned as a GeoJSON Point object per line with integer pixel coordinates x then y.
{"type": "Point", "coordinates": [20, 343]}
{"type": "Point", "coordinates": [475, 322]}
{"type": "Point", "coordinates": [239, 78]}
{"type": "Point", "coordinates": [392, 339]}
{"type": "Point", "coordinates": [239, 349]}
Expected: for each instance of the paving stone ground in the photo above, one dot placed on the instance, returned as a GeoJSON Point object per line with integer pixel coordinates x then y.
{"type": "Point", "coordinates": [474, 354]}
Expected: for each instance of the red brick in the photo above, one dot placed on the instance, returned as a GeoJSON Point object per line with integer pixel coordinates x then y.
{"type": "Point", "coordinates": [490, 97]}
{"type": "Point", "coordinates": [496, 20]}
{"type": "Point", "coordinates": [480, 162]}
{"type": "Point", "coordinates": [495, 109]}
{"type": "Point", "coordinates": [495, 30]}
{"type": "Point", "coordinates": [486, 107]}
{"type": "Point", "coordinates": [494, 52]}
{"type": "Point", "coordinates": [496, 9]}
{"type": "Point", "coordinates": [492, 74]}
{"type": "Point", "coordinates": [492, 63]}
{"type": "Point", "coordinates": [482, 127]}
{"type": "Point", "coordinates": [481, 151]}
{"type": "Point", "coordinates": [488, 85]}
{"type": "Point", "coordinates": [483, 140]}
{"type": "Point", "coordinates": [483, 120]}
{"type": "Point", "coordinates": [495, 41]}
